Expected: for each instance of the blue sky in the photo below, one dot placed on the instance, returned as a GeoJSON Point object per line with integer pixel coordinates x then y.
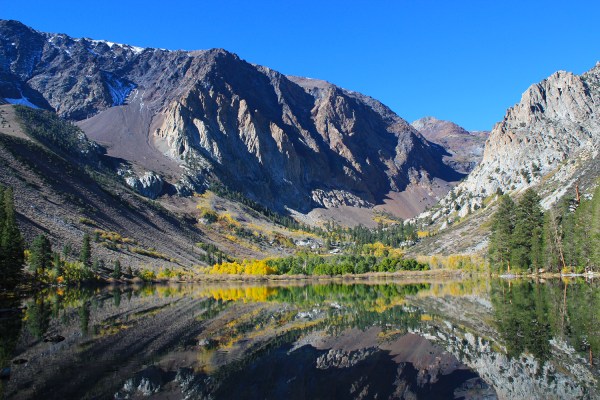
{"type": "Point", "coordinates": [465, 61]}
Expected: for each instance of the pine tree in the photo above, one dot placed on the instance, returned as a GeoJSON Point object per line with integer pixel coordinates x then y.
{"type": "Point", "coordinates": [503, 224]}
{"type": "Point", "coordinates": [117, 269]}
{"type": "Point", "coordinates": [595, 229]}
{"type": "Point", "coordinates": [11, 244]}
{"type": "Point", "coordinates": [553, 255]}
{"type": "Point", "coordinates": [96, 266]}
{"type": "Point", "coordinates": [2, 212]}
{"type": "Point", "coordinates": [537, 248]}
{"type": "Point", "coordinates": [41, 255]}
{"type": "Point", "coordinates": [86, 252]}
{"type": "Point", "coordinates": [527, 233]}
{"type": "Point", "coordinates": [57, 264]}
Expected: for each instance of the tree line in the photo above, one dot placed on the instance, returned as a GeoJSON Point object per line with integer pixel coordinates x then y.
{"type": "Point", "coordinates": [312, 264]}
{"type": "Point", "coordinates": [564, 238]}
{"type": "Point", "coordinates": [12, 245]}
{"type": "Point", "coordinates": [44, 266]}
{"type": "Point", "coordinates": [389, 234]}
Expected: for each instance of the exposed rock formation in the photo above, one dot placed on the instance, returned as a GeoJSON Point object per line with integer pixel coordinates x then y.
{"type": "Point", "coordinates": [149, 185]}
{"type": "Point", "coordinates": [203, 116]}
{"type": "Point", "coordinates": [556, 120]}
{"type": "Point", "coordinates": [465, 148]}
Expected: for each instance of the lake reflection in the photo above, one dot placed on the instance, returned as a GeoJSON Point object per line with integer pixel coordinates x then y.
{"type": "Point", "coordinates": [474, 339]}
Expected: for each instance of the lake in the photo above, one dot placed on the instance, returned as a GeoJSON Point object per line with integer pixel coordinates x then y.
{"type": "Point", "coordinates": [471, 339]}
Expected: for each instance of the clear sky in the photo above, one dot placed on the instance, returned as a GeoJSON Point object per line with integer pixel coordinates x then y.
{"type": "Point", "coordinates": [465, 61]}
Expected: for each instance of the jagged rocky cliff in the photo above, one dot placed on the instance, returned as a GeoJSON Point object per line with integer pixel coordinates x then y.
{"type": "Point", "coordinates": [208, 116]}
{"type": "Point", "coordinates": [464, 148]}
{"type": "Point", "coordinates": [550, 140]}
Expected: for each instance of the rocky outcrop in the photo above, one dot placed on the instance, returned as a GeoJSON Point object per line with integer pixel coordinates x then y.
{"type": "Point", "coordinates": [337, 358]}
{"type": "Point", "coordinates": [465, 149]}
{"type": "Point", "coordinates": [149, 185]}
{"type": "Point", "coordinates": [286, 142]}
{"type": "Point", "coordinates": [296, 143]}
{"type": "Point", "coordinates": [145, 383]}
{"type": "Point", "coordinates": [538, 140]}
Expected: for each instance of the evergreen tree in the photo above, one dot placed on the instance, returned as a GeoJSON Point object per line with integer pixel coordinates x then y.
{"type": "Point", "coordinates": [41, 255]}
{"type": "Point", "coordinates": [96, 266]}
{"type": "Point", "coordinates": [2, 212]}
{"type": "Point", "coordinates": [117, 269]}
{"type": "Point", "coordinates": [57, 264]}
{"type": "Point", "coordinates": [11, 244]}
{"type": "Point", "coordinates": [503, 224]}
{"type": "Point", "coordinates": [595, 229]}
{"type": "Point", "coordinates": [567, 227]}
{"type": "Point", "coordinates": [537, 247]}
{"type": "Point", "coordinates": [527, 232]}
{"type": "Point", "coordinates": [581, 230]}
{"type": "Point", "coordinates": [552, 242]}
{"type": "Point", "coordinates": [86, 252]}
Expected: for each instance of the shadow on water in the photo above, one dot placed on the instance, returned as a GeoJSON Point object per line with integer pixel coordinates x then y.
{"type": "Point", "coordinates": [10, 326]}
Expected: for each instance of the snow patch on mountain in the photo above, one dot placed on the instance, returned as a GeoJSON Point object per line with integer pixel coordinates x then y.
{"type": "Point", "coordinates": [119, 89]}
{"type": "Point", "coordinates": [135, 49]}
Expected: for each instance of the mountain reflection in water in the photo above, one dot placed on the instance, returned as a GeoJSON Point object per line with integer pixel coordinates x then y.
{"type": "Point", "coordinates": [474, 339]}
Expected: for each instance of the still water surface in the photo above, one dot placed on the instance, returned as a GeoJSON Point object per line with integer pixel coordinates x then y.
{"type": "Point", "coordinates": [475, 339]}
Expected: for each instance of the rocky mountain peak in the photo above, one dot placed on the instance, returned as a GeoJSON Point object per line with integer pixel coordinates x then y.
{"type": "Point", "coordinates": [203, 116]}
{"type": "Point", "coordinates": [464, 148]}
{"type": "Point", "coordinates": [556, 121]}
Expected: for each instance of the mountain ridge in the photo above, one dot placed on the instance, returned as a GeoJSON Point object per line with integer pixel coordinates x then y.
{"type": "Point", "coordinates": [465, 148]}
{"type": "Point", "coordinates": [207, 116]}
{"type": "Point", "coordinates": [549, 141]}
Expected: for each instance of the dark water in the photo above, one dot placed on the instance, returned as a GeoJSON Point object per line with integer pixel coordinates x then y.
{"type": "Point", "coordinates": [474, 339]}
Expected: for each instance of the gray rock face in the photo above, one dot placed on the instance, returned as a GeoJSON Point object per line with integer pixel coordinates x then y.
{"type": "Point", "coordinates": [556, 120]}
{"type": "Point", "coordinates": [283, 141]}
{"type": "Point", "coordinates": [149, 185]}
{"type": "Point", "coordinates": [336, 358]}
{"type": "Point", "coordinates": [145, 383]}
{"type": "Point", "coordinates": [465, 149]}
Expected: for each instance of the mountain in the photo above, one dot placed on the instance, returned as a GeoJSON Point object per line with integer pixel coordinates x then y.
{"type": "Point", "coordinates": [64, 188]}
{"type": "Point", "coordinates": [550, 141]}
{"type": "Point", "coordinates": [556, 120]}
{"type": "Point", "coordinates": [193, 119]}
{"type": "Point", "coordinates": [465, 148]}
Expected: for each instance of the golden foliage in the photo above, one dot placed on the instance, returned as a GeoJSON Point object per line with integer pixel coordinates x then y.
{"type": "Point", "coordinates": [248, 294]}
{"type": "Point", "coordinates": [467, 262]}
{"type": "Point", "coordinates": [113, 237]}
{"type": "Point", "coordinates": [147, 275]}
{"type": "Point", "coordinates": [246, 267]}
{"type": "Point", "coordinates": [228, 219]}
{"type": "Point", "coordinates": [208, 214]}
{"type": "Point", "coordinates": [87, 221]}
{"type": "Point", "coordinates": [379, 249]}
{"type": "Point", "coordinates": [151, 253]}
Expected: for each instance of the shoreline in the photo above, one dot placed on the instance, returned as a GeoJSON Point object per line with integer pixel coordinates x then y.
{"type": "Point", "coordinates": [366, 278]}
{"type": "Point", "coordinates": [547, 275]}
{"type": "Point", "coordinates": [398, 275]}
{"type": "Point", "coordinates": [437, 275]}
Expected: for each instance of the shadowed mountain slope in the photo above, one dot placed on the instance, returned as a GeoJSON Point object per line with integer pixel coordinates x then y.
{"type": "Point", "coordinates": [202, 117]}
